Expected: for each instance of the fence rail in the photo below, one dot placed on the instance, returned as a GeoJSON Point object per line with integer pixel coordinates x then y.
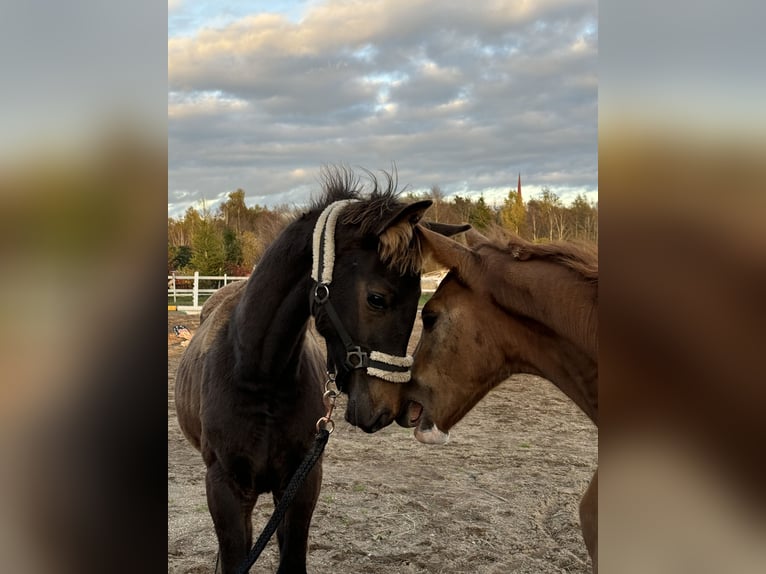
{"type": "Point", "coordinates": [196, 291]}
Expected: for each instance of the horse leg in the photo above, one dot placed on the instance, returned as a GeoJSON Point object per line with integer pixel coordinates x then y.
{"type": "Point", "coordinates": [589, 520]}
{"type": "Point", "coordinates": [230, 518]}
{"type": "Point", "coordinates": [293, 532]}
{"type": "Point", "coordinates": [247, 509]}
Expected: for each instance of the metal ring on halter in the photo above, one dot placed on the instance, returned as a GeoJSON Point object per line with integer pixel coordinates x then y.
{"type": "Point", "coordinates": [323, 295]}
{"type": "Point", "coordinates": [356, 358]}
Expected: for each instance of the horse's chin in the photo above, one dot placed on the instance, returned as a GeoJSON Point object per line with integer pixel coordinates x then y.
{"type": "Point", "coordinates": [426, 430]}
{"type": "Point", "coordinates": [431, 435]}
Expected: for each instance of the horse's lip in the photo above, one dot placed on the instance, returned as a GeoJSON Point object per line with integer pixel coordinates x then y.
{"type": "Point", "coordinates": [414, 413]}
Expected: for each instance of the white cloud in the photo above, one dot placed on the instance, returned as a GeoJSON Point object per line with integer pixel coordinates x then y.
{"type": "Point", "coordinates": [203, 103]}
{"type": "Point", "coordinates": [465, 96]}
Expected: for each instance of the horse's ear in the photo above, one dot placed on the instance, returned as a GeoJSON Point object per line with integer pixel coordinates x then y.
{"type": "Point", "coordinates": [474, 238]}
{"type": "Point", "coordinates": [448, 252]}
{"type": "Point", "coordinates": [446, 229]}
{"type": "Point", "coordinates": [408, 214]}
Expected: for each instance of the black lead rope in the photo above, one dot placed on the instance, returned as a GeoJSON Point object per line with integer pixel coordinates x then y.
{"type": "Point", "coordinates": [320, 441]}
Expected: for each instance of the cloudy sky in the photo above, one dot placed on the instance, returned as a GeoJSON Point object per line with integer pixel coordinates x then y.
{"type": "Point", "coordinates": [464, 95]}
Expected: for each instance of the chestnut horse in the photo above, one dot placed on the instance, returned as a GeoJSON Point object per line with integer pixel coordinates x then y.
{"type": "Point", "coordinates": [503, 309]}
{"type": "Point", "coordinates": [249, 385]}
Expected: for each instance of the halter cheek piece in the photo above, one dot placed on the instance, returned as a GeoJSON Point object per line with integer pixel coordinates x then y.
{"type": "Point", "coordinates": [390, 368]}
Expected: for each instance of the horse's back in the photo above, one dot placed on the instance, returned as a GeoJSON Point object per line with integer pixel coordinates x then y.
{"type": "Point", "coordinates": [214, 317]}
{"type": "Point", "coordinates": [215, 300]}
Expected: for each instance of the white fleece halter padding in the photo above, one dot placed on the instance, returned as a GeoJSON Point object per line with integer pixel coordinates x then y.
{"type": "Point", "coordinates": [391, 359]}
{"type": "Point", "coordinates": [390, 376]}
{"type": "Point", "coordinates": [326, 223]}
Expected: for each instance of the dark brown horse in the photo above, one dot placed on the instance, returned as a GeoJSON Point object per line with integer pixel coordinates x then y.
{"type": "Point", "coordinates": [249, 386]}
{"type": "Point", "coordinates": [508, 308]}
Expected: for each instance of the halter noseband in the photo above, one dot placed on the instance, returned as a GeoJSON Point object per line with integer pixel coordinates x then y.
{"type": "Point", "coordinates": [390, 368]}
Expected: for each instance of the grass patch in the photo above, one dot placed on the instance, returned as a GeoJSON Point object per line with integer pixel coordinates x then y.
{"type": "Point", "coordinates": [187, 299]}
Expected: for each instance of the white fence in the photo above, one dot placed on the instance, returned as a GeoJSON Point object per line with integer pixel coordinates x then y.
{"type": "Point", "coordinates": [174, 292]}
{"type": "Point", "coordinates": [428, 285]}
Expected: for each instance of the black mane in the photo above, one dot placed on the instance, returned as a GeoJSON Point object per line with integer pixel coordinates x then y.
{"type": "Point", "coordinates": [341, 182]}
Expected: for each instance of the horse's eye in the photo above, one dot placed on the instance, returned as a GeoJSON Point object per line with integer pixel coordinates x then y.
{"type": "Point", "coordinates": [376, 301]}
{"type": "Point", "coordinates": [429, 319]}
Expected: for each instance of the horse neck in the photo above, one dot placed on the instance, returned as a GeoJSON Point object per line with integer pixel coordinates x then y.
{"type": "Point", "coordinates": [558, 335]}
{"type": "Point", "coordinates": [554, 358]}
{"type": "Point", "coordinates": [270, 321]}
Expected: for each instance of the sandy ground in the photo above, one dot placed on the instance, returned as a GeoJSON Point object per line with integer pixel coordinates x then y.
{"type": "Point", "coordinates": [501, 496]}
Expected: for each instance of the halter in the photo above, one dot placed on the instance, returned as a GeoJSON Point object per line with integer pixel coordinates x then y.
{"type": "Point", "coordinates": [391, 368]}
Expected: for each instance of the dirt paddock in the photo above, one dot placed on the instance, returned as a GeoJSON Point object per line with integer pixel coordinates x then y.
{"type": "Point", "coordinates": [500, 497]}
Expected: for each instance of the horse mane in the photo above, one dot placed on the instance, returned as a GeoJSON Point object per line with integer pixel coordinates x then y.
{"type": "Point", "coordinates": [338, 183]}
{"type": "Point", "coordinates": [399, 247]}
{"type": "Point", "coordinates": [579, 256]}
{"type": "Point", "coordinates": [581, 322]}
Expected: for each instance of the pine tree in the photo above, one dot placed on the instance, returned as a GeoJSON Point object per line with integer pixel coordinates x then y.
{"type": "Point", "coordinates": [513, 214]}
{"type": "Point", "coordinates": [481, 216]}
{"type": "Point", "coordinates": [207, 246]}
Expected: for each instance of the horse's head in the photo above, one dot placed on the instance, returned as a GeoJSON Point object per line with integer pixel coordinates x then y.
{"type": "Point", "coordinates": [497, 312]}
{"type": "Point", "coordinates": [365, 307]}
{"type": "Point", "coordinates": [453, 355]}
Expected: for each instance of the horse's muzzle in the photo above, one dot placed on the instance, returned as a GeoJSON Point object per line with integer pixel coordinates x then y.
{"type": "Point", "coordinates": [369, 422]}
{"type": "Point", "coordinates": [368, 408]}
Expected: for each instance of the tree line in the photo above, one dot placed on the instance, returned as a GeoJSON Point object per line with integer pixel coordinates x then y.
{"type": "Point", "coordinates": [232, 239]}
